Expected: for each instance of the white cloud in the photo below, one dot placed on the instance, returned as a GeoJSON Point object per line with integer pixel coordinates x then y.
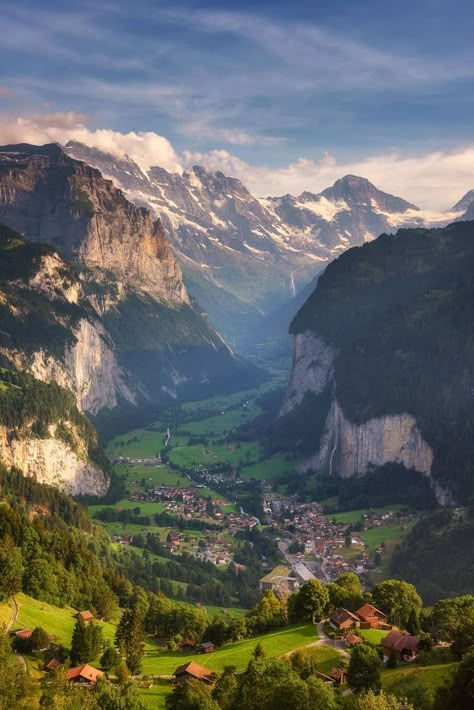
{"type": "Point", "coordinates": [434, 180]}
{"type": "Point", "coordinates": [146, 148]}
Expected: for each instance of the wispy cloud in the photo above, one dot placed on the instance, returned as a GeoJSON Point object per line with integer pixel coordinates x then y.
{"type": "Point", "coordinates": [433, 180]}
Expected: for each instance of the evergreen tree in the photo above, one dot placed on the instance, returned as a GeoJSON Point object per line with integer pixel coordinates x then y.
{"type": "Point", "coordinates": [11, 566]}
{"type": "Point", "coordinates": [80, 650]}
{"type": "Point", "coordinates": [129, 637]}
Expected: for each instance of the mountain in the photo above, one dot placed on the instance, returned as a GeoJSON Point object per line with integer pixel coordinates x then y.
{"type": "Point", "coordinates": [244, 257]}
{"type": "Point", "coordinates": [93, 303]}
{"type": "Point", "coordinates": [464, 204]}
{"type": "Point", "coordinates": [383, 360]}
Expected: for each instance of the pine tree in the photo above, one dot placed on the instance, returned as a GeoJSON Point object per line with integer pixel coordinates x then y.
{"type": "Point", "coordinates": [80, 650]}
{"type": "Point", "coordinates": [129, 637]}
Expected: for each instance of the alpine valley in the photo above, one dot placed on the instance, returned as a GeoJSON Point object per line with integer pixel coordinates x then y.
{"type": "Point", "coordinates": [245, 257]}
{"type": "Point", "coordinates": [93, 303]}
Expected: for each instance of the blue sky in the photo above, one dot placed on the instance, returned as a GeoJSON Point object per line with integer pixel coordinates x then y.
{"type": "Point", "coordinates": [268, 83]}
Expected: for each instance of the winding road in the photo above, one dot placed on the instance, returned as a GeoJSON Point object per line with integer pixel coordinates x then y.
{"type": "Point", "coordinates": [14, 616]}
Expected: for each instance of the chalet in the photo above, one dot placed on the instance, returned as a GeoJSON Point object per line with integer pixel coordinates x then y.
{"type": "Point", "coordinates": [23, 634]}
{"type": "Point", "coordinates": [206, 647]}
{"type": "Point", "coordinates": [86, 616]}
{"type": "Point", "coordinates": [84, 675]}
{"type": "Point", "coordinates": [338, 675]}
{"type": "Point", "coordinates": [351, 639]}
{"type": "Point", "coordinates": [192, 670]}
{"type": "Point", "coordinates": [404, 645]}
{"type": "Point", "coordinates": [187, 645]}
{"type": "Point", "coordinates": [52, 665]}
{"type": "Point", "coordinates": [370, 616]}
{"type": "Point", "coordinates": [343, 619]}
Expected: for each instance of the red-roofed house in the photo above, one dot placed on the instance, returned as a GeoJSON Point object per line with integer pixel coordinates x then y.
{"type": "Point", "coordinates": [84, 675]}
{"type": "Point", "coordinates": [192, 670]}
{"type": "Point", "coordinates": [86, 616]}
{"type": "Point", "coordinates": [351, 639]}
{"type": "Point", "coordinates": [372, 616]}
{"type": "Point", "coordinates": [343, 619]}
{"type": "Point", "coordinates": [23, 633]}
{"type": "Point", "coordinates": [404, 645]}
{"type": "Point", "coordinates": [52, 665]}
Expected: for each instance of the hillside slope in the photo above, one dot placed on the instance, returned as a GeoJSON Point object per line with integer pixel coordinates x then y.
{"type": "Point", "coordinates": [243, 257]}
{"type": "Point", "coordinates": [388, 334]}
{"type": "Point", "coordinates": [142, 337]}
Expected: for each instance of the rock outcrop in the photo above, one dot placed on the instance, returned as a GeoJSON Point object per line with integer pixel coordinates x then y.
{"type": "Point", "coordinates": [347, 448]}
{"type": "Point", "coordinates": [50, 460]}
{"type": "Point", "coordinates": [51, 198]}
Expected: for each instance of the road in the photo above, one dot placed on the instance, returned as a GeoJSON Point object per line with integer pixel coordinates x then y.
{"type": "Point", "coordinates": [14, 613]}
{"type": "Point", "coordinates": [324, 640]}
{"type": "Point", "coordinates": [14, 617]}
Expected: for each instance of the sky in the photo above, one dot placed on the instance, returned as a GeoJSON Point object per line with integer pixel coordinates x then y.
{"type": "Point", "coordinates": [286, 96]}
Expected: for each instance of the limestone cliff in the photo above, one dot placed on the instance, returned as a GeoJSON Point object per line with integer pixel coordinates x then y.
{"type": "Point", "coordinates": [63, 339]}
{"type": "Point", "coordinates": [50, 460]}
{"type": "Point", "coordinates": [49, 197]}
{"type": "Point", "coordinates": [383, 360]}
{"type": "Point", "coordinates": [348, 448]}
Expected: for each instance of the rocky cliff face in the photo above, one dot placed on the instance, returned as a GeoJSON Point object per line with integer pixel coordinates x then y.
{"type": "Point", "coordinates": [49, 197]}
{"type": "Point", "coordinates": [383, 359]}
{"type": "Point", "coordinates": [346, 448]}
{"type": "Point", "coordinates": [124, 328]}
{"type": "Point", "coordinates": [70, 346]}
{"type": "Point", "coordinates": [52, 461]}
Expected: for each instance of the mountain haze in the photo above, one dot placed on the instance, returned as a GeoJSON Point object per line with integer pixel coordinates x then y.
{"type": "Point", "coordinates": [243, 257]}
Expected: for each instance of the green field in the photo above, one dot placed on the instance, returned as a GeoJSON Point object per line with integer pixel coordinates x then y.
{"type": "Point", "coordinates": [373, 537]}
{"type": "Point", "coordinates": [237, 654]}
{"type": "Point", "coordinates": [6, 612]}
{"type": "Point", "coordinates": [145, 508]}
{"type": "Point", "coordinates": [221, 424]}
{"type": "Point", "coordinates": [373, 635]}
{"type": "Point", "coordinates": [156, 475]}
{"type": "Point", "coordinates": [269, 468]}
{"type": "Point", "coordinates": [155, 696]}
{"type": "Point", "coordinates": [353, 516]}
{"type": "Point", "coordinates": [405, 677]}
{"type": "Point", "coordinates": [57, 622]}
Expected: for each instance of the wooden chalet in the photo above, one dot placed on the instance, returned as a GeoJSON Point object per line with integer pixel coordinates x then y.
{"type": "Point", "coordinates": [192, 670]}
{"type": "Point", "coordinates": [351, 639]}
{"type": "Point", "coordinates": [370, 616]}
{"type": "Point", "coordinates": [404, 645]}
{"type": "Point", "coordinates": [86, 616]}
{"type": "Point", "coordinates": [206, 647]}
{"type": "Point", "coordinates": [343, 619]}
{"type": "Point", "coordinates": [84, 675]}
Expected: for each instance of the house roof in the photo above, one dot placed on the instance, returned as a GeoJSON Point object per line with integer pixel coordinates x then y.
{"type": "Point", "coordinates": [86, 671]}
{"type": "Point", "coordinates": [207, 644]}
{"type": "Point", "coordinates": [186, 642]}
{"type": "Point", "coordinates": [341, 614]}
{"type": "Point", "coordinates": [193, 669]}
{"type": "Point", "coordinates": [400, 641]}
{"type": "Point", "coordinates": [352, 638]}
{"type": "Point", "coordinates": [368, 610]}
{"type": "Point", "coordinates": [53, 664]}
{"type": "Point", "coordinates": [338, 674]}
{"type": "Point", "coordinates": [24, 633]}
{"type": "Point", "coordinates": [278, 572]}
{"type": "Point", "coordinates": [86, 615]}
